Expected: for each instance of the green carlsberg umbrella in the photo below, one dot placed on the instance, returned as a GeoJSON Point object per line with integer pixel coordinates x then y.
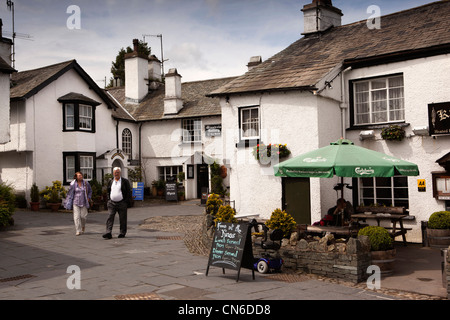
{"type": "Point", "coordinates": [343, 159]}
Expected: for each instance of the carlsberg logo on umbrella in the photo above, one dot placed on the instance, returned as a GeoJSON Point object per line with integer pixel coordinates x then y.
{"type": "Point", "coordinates": [364, 171]}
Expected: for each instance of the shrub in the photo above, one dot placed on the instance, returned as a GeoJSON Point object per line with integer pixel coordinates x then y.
{"type": "Point", "coordinates": [439, 220]}
{"type": "Point", "coordinates": [225, 214]}
{"type": "Point", "coordinates": [34, 193]}
{"type": "Point", "coordinates": [281, 220]}
{"type": "Point", "coordinates": [213, 204]}
{"type": "Point", "coordinates": [55, 193]}
{"type": "Point", "coordinates": [380, 239]}
{"type": "Point", "coordinates": [7, 205]}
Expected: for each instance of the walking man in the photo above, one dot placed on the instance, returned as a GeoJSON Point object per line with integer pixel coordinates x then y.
{"type": "Point", "coordinates": [119, 199]}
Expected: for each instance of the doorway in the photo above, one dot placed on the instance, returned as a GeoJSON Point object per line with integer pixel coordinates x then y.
{"type": "Point", "coordinates": [202, 178]}
{"type": "Point", "coordinates": [297, 199]}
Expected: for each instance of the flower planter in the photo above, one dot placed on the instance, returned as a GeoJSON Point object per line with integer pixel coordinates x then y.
{"type": "Point", "coordinates": [438, 238]}
{"type": "Point", "coordinates": [34, 206]}
{"type": "Point", "coordinates": [54, 206]}
{"type": "Point", "coordinates": [384, 260]}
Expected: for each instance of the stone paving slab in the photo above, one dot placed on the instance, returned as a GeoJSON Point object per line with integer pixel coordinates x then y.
{"type": "Point", "coordinates": [44, 245]}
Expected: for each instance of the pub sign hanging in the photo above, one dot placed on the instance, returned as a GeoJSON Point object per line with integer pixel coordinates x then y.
{"type": "Point", "coordinates": [439, 118]}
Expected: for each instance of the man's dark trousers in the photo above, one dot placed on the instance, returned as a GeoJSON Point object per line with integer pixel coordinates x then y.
{"type": "Point", "coordinates": [120, 208]}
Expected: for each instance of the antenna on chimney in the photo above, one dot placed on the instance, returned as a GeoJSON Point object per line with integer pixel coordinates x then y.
{"type": "Point", "coordinates": [162, 51]}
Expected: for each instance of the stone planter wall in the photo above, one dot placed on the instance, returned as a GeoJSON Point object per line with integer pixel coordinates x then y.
{"type": "Point", "coordinates": [347, 261]}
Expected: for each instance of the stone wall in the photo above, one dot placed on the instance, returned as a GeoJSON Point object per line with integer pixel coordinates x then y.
{"type": "Point", "coordinates": [325, 256]}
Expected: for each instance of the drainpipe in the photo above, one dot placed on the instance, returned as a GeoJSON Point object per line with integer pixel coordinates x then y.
{"type": "Point", "coordinates": [117, 134]}
{"type": "Point", "coordinates": [140, 145]}
{"type": "Point", "coordinates": [344, 104]}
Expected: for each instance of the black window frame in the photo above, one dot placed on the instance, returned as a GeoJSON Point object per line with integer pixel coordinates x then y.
{"type": "Point", "coordinates": [353, 124]}
{"type": "Point", "coordinates": [76, 106]}
{"type": "Point", "coordinates": [248, 142]}
{"type": "Point", "coordinates": [77, 156]}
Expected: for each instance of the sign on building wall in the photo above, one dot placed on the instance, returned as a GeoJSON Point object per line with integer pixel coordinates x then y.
{"type": "Point", "coordinates": [213, 130]}
{"type": "Point", "coordinates": [138, 191]}
{"type": "Point", "coordinates": [439, 118]}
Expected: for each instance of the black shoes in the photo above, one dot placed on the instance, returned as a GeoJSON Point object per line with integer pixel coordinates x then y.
{"type": "Point", "coordinates": [107, 236]}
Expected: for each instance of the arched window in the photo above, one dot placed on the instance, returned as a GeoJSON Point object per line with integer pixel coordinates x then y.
{"type": "Point", "coordinates": [127, 140]}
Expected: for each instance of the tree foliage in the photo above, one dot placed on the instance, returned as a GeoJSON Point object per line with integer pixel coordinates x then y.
{"type": "Point", "coordinates": [118, 66]}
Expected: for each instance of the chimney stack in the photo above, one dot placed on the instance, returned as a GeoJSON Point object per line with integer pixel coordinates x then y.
{"type": "Point", "coordinates": [320, 15]}
{"type": "Point", "coordinates": [173, 102]}
{"type": "Point", "coordinates": [136, 75]}
{"type": "Point", "coordinates": [254, 61]}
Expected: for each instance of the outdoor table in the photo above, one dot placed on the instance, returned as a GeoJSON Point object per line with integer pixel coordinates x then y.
{"type": "Point", "coordinates": [394, 218]}
{"type": "Point", "coordinates": [342, 231]}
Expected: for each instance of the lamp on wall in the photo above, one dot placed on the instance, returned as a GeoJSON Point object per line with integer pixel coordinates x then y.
{"type": "Point", "coordinates": [363, 135]}
{"type": "Point", "coordinates": [421, 131]}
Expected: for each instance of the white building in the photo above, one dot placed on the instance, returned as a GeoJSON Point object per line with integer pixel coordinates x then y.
{"type": "Point", "coordinates": [60, 121]}
{"type": "Point", "coordinates": [177, 128]}
{"type": "Point", "coordinates": [5, 74]}
{"type": "Point", "coordinates": [344, 81]}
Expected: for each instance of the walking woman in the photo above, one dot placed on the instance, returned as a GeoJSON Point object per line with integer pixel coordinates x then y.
{"type": "Point", "coordinates": [78, 197]}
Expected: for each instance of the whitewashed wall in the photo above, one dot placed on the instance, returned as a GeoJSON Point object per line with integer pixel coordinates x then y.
{"type": "Point", "coordinates": [37, 126]}
{"type": "Point", "coordinates": [292, 118]}
{"type": "Point", "coordinates": [4, 107]}
{"type": "Point", "coordinates": [426, 81]}
{"type": "Point", "coordinates": [162, 146]}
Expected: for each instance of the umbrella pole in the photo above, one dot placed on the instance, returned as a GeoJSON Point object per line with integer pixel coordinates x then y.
{"type": "Point", "coordinates": [342, 190]}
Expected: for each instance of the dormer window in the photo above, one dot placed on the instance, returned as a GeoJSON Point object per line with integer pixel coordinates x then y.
{"type": "Point", "coordinates": [78, 112]}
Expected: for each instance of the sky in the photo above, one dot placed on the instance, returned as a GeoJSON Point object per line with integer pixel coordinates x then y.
{"type": "Point", "coordinates": [203, 39]}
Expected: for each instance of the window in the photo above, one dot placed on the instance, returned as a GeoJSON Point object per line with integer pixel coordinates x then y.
{"type": "Point", "coordinates": [78, 117]}
{"type": "Point", "coordinates": [127, 142]}
{"type": "Point", "coordinates": [386, 191]}
{"type": "Point", "coordinates": [79, 161]}
{"type": "Point", "coordinates": [192, 130]}
{"type": "Point", "coordinates": [249, 123]}
{"type": "Point", "coordinates": [166, 172]}
{"type": "Point", "coordinates": [379, 100]}
{"type": "Point", "coordinates": [70, 116]}
{"type": "Point", "coordinates": [85, 117]}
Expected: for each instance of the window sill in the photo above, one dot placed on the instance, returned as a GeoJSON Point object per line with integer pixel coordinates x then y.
{"type": "Point", "coordinates": [247, 143]}
{"type": "Point", "coordinates": [377, 126]}
{"type": "Point", "coordinates": [196, 143]}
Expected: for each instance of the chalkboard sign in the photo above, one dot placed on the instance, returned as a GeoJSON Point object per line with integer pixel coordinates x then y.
{"type": "Point", "coordinates": [171, 191]}
{"type": "Point", "coordinates": [232, 248]}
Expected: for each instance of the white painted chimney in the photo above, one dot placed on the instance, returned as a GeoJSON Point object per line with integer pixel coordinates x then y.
{"type": "Point", "coordinates": [173, 102]}
{"type": "Point", "coordinates": [320, 15]}
{"type": "Point", "coordinates": [136, 75]}
{"type": "Point", "coordinates": [254, 61]}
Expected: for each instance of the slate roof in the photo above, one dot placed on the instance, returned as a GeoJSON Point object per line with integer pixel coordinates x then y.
{"type": "Point", "coordinates": [195, 102]}
{"type": "Point", "coordinates": [417, 32]}
{"type": "Point", "coordinates": [28, 83]}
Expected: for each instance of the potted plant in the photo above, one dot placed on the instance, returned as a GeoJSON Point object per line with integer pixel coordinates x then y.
{"type": "Point", "coordinates": [280, 219]}
{"type": "Point", "coordinates": [438, 229]}
{"type": "Point", "coordinates": [34, 195]}
{"type": "Point", "coordinates": [225, 214]}
{"type": "Point", "coordinates": [97, 195]}
{"type": "Point", "coordinates": [393, 133]}
{"type": "Point", "coordinates": [180, 195]}
{"type": "Point", "coordinates": [381, 247]}
{"type": "Point", "coordinates": [160, 186]}
{"type": "Point", "coordinates": [213, 204]}
{"type": "Point", "coordinates": [54, 194]}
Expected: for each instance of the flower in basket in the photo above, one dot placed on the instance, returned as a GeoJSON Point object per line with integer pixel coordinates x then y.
{"type": "Point", "coordinates": [55, 193]}
{"type": "Point", "coordinates": [265, 153]}
{"type": "Point", "coordinates": [393, 133]}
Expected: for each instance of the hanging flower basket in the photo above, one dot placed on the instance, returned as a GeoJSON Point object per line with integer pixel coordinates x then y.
{"type": "Point", "coordinates": [265, 153]}
{"type": "Point", "coordinates": [393, 133]}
